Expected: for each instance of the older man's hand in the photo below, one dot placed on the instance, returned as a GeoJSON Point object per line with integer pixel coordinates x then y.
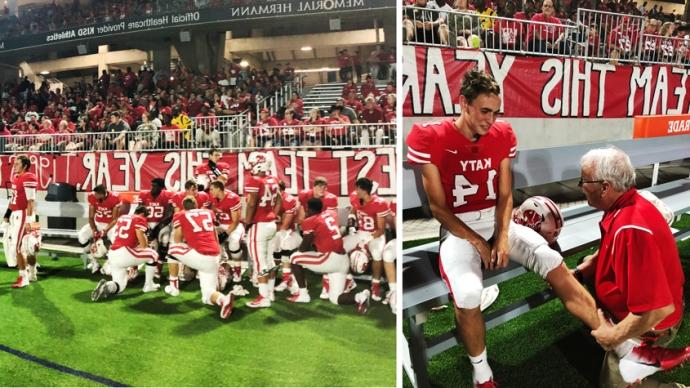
{"type": "Point", "coordinates": [606, 334]}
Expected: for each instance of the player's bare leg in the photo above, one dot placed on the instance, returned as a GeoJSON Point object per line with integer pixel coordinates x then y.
{"type": "Point", "coordinates": [389, 268]}
{"type": "Point", "coordinates": [31, 268]}
{"type": "Point", "coordinates": [472, 331]}
{"type": "Point", "coordinates": [23, 279]}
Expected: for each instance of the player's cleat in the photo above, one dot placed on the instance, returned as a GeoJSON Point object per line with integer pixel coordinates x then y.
{"type": "Point", "coordinates": [100, 291]}
{"type": "Point", "coordinates": [20, 282]}
{"type": "Point", "coordinates": [153, 287]}
{"type": "Point", "coordinates": [487, 384]}
{"type": "Point", "coordinates": [299, 298]}
{"type": "Point", "coordinates": [226, 305]}
{"type": "Point", "coordinates": [172, 290]}
{"type": "Point", "coordinates": [362, 299]}
{"type": "Point", "coordinates": [645, 360]}
{"type": "Point", "coordinates": [236, 274]}
{"type": "Point", "coordinates": [350, 285]}
{"type": "Point", "coordinates": [282, 286]}
{"type": "Point", "coordinates": [376, 291]}
{"type": "Point", "coordinates": [259, 302]}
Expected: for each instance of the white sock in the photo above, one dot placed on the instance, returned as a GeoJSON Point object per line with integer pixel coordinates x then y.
{"type": "Point", "coordinates": [263, 290]}
{"type": "Point", "coordinates": [293, 286]}
{"type": "Point", "coordinates": [391, 286]}
{"type": "Point", "coordinates": [482, 370]}
{"type": "Point", "coordinates": [24, 274]}
{"type": "Point", "coordinates": [271, 284]}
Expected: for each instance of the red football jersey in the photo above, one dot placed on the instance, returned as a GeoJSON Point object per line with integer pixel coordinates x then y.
{"type": "Point", "coordinates": [267, 189]}
{"type": "Point", "coordinates": [156, 206]}
{"type": "Point", "coordinates": [202, 200]}
{"type": "Point", "coordinates": [198, 231]}
{"type": "Point", "coordinates": [289, 206]}
{"type": "Point", "coordinates": [20, 184]}
{"type": "Point", "coordinates": [224, 207]}
{"type": "Point", "coordinates": [125, 231]}
{"type": "Point", "coordinates": [367, 213]}
{"type": "Point", "coordinates": [222, 168]}
{"type": "Point", "coordinates": [104, 208]}
{"type": "Point", "coordinates": [330, 200]}
{"type": "Point", "coordinates": [324, 228]}
{"type": "Point", "coordinates": [468, 169]}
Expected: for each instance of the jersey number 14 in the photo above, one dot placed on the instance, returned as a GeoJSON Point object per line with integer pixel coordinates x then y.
{"type": "Point", "coordinates": [464, 188]}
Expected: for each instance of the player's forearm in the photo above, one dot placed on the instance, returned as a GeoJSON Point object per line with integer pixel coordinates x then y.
{"type": "Point", "coordinates": [30, 208]}
{"type": "Point", "coordinates": [635, 325]}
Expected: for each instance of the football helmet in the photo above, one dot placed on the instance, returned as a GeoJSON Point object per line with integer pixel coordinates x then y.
{"type": "Point", "coordinates": [542, 215]}
{"type": "Point", "coordinates": [203, 181]}
{"type": "Point", "coordinates": [31, 244]}
{"type": "Point", "coordinates": [665, 211]}
{"type": "Point", "coordinates": [98, 249]}
{"type": "Point", "coordinates": [258, 163]}
{"type": "Point", "coordinates": [359, 261]}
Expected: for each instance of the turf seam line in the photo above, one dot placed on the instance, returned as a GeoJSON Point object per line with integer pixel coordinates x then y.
{"type": "Point", "coordinates": [62, 368]}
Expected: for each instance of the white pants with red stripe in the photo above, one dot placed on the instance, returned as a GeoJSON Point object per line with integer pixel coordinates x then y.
{"type": "Point", "coordinates": [85, 233]}
{"type": "Point", "coordinates": [206, 265]}
{"type": "Point", "coordinates": [373, 245]}
{"type": "Point", "coordinates": [461, 264]}
{"type": "Point", "coordinates": [12, 240]}
{"type": "Point", "coordinates": [336, 265]}
{"type": "Point", "coordinates": [122, 258]}
{"type": "Point", "coordinates": [388, 254]}
{"type": "Point", "coordinates": [260, 247]}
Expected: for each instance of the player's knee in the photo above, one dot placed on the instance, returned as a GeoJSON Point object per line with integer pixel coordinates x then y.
{"type": "Point", "coordinates": [388, 256]}
{"type": "Point", "coordinates": [467, 292]}
{"type": "Point", "coordinates": [234, 244]}
{"type": "Point", "coordinates": [544, 260]}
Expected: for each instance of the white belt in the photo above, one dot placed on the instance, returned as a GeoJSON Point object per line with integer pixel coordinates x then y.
{"type": "Point", "coordinates": [476, 215]}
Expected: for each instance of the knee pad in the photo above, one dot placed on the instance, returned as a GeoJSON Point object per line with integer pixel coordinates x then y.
{"type": "Point", "coordinates": [375, 248]}
{"type": "Point", "coordinates": [234, 245]}
{"type": "Point", "coordinates": [545, 260]}
{"type": "Point", "coordinates": [467, 291]}
{"type": "Point", "coordinates": [388, 254]}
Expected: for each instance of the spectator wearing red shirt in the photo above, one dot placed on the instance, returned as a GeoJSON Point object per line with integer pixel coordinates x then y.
{"type": "Point", "coordinates": [349, 87]}
{"type": "Point", "coordinates": [290, 129]}
{"type": "Point", "coordinates": [369, 87]}
{"type": "Point", "coordinates": [206, 125]}
{"type": "Point", "coordinates": [622, 41]}
{"type": "Point", "coordinates": [337, 132]}
{"type": "Point", "coordinates": [264, 131]}
{"type": "Point", "coordinates": [297, 104]}
{"type": "Point", "coordinates": [353, 102]}
{"type": "Point", "coordinates": [313, 130]}
{"type": "Point", "coordinates": [638, 277]}
{"type": "Point", "coordinates": [546, 38]}
{"type": "Point", "coordinates": [345, 65]}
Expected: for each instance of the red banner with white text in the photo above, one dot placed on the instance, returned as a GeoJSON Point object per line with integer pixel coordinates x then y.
{"type": "Point", "coordinates": [133, 171]}
{"type": "Point", "coordinates": [542, 87]}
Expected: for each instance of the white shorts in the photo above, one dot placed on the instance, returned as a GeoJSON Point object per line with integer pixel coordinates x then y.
{"type": "Point", "coordinates": [122, 258]}
{"type": "Point", "coordinates": [260, 247]}
{"type": "Point", "coordinates": [12, 240]}
{"type": "Point", "coordinates": [373, 245]}
{"type": "Point", "coordinates": [461, 265]}
{"type": "Point", "coordinates": [85, 233]}
{"type": "Point", "coordinates": [205, 264]}
{"type": "Point", "coordinates": [336, 265]}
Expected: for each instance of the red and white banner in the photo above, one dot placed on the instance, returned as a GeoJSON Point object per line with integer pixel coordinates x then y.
{"type": "Point", "coordinates": [542, 87]}
{"type": "Point", "coordinates": [133, 171]}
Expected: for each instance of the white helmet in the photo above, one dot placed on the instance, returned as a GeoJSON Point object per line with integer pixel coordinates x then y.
{"type": "Point", "coordinates": [31, 244]}
{"type": "Point", "coordinates": [203, 181]}
{"type": "Point", "coordinates": [542, 215]}
{"type": "Point", "coordinates": [665, 211]}
{"type": "Point", "coordinates": [359, 260]}
{"type": "Point", "coordinates": [98, 249]}
{"type": "Point", "coordinates": [258, 163]}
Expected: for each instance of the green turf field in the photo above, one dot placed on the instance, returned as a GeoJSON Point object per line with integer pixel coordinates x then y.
{"type": "Point", "coordinates": [155, 340]}
{"type": "Point", "coordinates": [545, 347]}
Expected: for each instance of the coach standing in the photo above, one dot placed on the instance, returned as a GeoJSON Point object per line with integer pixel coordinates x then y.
{"type": "Point", "coordinates": [21, 212]}
{"type": "Point", "coordinates": [638, 278]}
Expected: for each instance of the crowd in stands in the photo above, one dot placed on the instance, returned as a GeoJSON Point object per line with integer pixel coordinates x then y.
{"type": "Point", "coordinates": [129, 102]}
{"type": "Point", "coordinates": [380, 63]}
{"type": "Point", "coordinates": [637, 32]}
{"type": "Point", "coordinates": [144, 110]}
{"type": "Point", "coordinates": [55, 16]}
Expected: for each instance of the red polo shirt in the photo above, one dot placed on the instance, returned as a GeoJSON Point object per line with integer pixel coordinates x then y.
{"type": "Point", "coordinates": [638, 268]}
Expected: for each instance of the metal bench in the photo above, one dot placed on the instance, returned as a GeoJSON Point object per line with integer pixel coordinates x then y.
{"type": "Point", "coordinates": [424, 289]}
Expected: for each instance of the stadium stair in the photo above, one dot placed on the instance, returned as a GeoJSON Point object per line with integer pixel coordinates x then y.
{"type": "Point", "coordinates": [322, 96]}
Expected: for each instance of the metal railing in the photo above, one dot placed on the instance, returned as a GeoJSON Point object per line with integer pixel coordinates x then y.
{"type": "Point", "coordinates": [225, 132]}
{"type": "Point", "coordinates": [596, 35]}
{"type": "Point", "coordinates": [204, 132]}
{"type": "Point", "coordinates": [321, 135]}
{"type": "Point", "coordinates": [278, 99]}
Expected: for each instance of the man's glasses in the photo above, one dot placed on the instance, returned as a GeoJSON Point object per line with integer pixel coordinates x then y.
{"type": "Point", "coordinates": [581, 182]}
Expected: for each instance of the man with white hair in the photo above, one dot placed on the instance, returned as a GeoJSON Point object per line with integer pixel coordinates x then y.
{"type": "Point", "coordinates": [638, 278]}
